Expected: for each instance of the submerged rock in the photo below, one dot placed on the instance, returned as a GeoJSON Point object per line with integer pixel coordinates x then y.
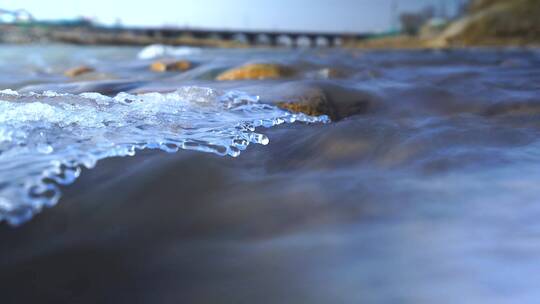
{"type": "Point", "coordinates": [315, 104]}
{"type": "Point", "coordinates": [308, 107]}
{"type": "Point", "coordinates": [337, 102]}
{"type": "Point", "coordinates": [256, 71]}
{"type": "Point", "coordinates": [168, 66]}
{"type": "Point", "coordinates": [77, 71]}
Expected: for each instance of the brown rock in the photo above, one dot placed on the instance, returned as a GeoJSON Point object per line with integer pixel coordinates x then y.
{"type": "Point", "coordinates": [256, 71]}
{"type": "Point", "coordinates": [80, 70]}
{"type": "Point", "coordinates": [313, 103]}
{"type": "Point", "coordinates": [165, 66]}
{"type": "Point", "coordinates": [306, 108]}
{"type": "Point", "coordinates": [320, 98]}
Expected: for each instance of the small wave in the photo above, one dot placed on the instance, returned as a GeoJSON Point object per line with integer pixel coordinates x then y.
{"type": "Point", "coordinates": [159, 50]}
{"type": "Point", "coordinates": [46, 138]}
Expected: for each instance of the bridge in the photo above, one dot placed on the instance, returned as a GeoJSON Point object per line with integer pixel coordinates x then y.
{"type": "Point", "coordinates": [261, 38]}
{"type": "Point", "coordinates": [201, 37]}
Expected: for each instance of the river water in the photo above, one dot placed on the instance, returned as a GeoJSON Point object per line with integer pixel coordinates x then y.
{"type": "Point", "coordinates": [424, 187]}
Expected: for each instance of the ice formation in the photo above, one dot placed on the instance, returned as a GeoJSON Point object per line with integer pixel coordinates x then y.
{"type": "Point", "coordinates": [46, 138]}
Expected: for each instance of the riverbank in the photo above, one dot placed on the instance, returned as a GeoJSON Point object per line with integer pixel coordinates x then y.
{"type": "Point", "coordinates": [488, 23]}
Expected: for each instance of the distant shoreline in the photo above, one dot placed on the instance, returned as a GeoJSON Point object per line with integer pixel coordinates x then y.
{"type": "Point", "coordinates": [99, 35]}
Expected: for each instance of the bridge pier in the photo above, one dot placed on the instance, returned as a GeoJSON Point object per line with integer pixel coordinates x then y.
{"type": "Point", "coordinates": [322, 41]}
{"type": "Point", "coordinates": [273, 39]}
{"type": "Point", "coordinates": [304, 41]}
{"type": "Point", "coordinates": [263, 39]}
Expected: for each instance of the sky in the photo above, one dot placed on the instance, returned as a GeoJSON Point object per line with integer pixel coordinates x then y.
{"type": "Point", "coordinates": [301, 15]}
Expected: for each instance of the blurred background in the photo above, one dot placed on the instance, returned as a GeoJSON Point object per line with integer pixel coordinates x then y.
{"type": "Point", "coordinates": [363, 23]}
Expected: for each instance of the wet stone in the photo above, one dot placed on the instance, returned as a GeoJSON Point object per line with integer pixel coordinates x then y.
{"type": "Point", "coordinates": [314, 104]}
{"type": "Point", "coordinates": [256, 71]}
{"type": "Point", "coordinates": [79, 70]}
{"type": "Point", "coordinates": [170, 66]}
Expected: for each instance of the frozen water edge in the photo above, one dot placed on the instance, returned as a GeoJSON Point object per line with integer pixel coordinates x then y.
{"type": "Point", "coordinates": [46, 138]}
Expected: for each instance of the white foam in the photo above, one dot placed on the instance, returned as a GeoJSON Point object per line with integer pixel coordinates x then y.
{"type": "Point", "coordinates": [159, 50]}
{"type": "Point", "coordinates": [47, 137]}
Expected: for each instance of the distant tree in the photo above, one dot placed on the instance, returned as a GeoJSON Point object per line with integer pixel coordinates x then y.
{"type": "Point", "coordinates": [412, 22]}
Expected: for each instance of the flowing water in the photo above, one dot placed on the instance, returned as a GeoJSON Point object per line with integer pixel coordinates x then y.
{"type": "Point", "coordinates": [46, 138]}
{"type": "Point", "coordinates": [424, 187]}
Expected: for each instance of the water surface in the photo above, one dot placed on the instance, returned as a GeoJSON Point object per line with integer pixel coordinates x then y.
{"type": "Point", "coordinates": [424, 188]}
